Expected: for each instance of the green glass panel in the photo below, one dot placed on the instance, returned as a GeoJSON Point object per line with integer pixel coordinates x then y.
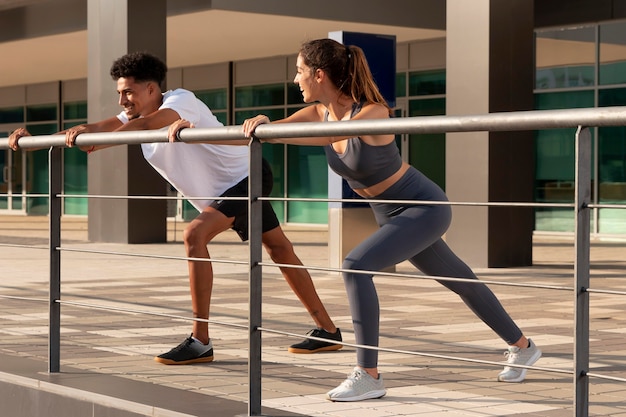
{"type": "Point", "coordinates": [427, 152]}
{"type": "Point", "coordinates": [425, 83]}
{"type": "Point", "coordinates": [273, 114]}
{"type": "Point", "coordinates": [4, 186]}
{"type": "Point", "coordinates": [555, 162]}
{"type": "Point", "coordinates": [216, 99]}
{"type": "Point", "coordinates": [307, 178]}
{"type": "Point", "coordinates": [189, 211]}
{"type": "Point", "coordinates": [75, 180]}
{"type": "Point", "coordinates": [76, 110]}
{"type": "Point", "coordinates": [565, 58]}
{"type": "Point", "coordinates": [612, 167]}
{"type": "Point", "coordinates": [67, 125]}
{"type": "Point", "coordinates": [260, 95]}
{"type": "Point", "coordinates": [37, 171]}
{"type": "Point", "coordinates": [222, 117]}
{"type": "Point", "coordinates": [41, 113]}
{"type": "Point", "coordinates": [37, 182]}
{"type": "Point", "coordinates": [564, 100]}
{"type": "Point", "coordinates": [612, 53]}
{"type": "Point", "coordinates": [401, 84]}
{"type": "Point", "coordinates": [12, 115]}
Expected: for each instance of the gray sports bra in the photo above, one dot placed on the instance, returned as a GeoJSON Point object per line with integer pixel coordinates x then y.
{"type": "Point", "coordinates": [363, 165]}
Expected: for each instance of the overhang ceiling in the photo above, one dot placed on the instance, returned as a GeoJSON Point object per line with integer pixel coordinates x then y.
{"type": "Point", "coordinates": [204, 37]}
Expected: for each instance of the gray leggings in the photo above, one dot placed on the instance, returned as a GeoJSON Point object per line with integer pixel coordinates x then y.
{"type": "Point", "coordinates": [413, 233]}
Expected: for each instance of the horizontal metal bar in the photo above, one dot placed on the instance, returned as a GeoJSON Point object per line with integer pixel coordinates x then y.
{"type": "Point", "coordinates": [416, 276]}
{"type": "Point", "coordinates": [145, 197]}
{"type": "Point", "coordinates": [423, 354]}
{"type": "Point", "coordinates": [146, 255]}
{"type": "Point", "coordinates": [145, 312]}
{"type": "Point", "coordinates": [503, 121]}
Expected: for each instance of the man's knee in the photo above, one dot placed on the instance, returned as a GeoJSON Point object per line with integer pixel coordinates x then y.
{"type": "Point", "coordinates": [279, 248]}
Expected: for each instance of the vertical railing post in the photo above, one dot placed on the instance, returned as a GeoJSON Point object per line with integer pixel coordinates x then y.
{"type": "Point", "coordinates": [54, 329]}
{"type": "Point", "coordinates": [581, 272]}
{"type": "Point", "coordinates": [255, 277]}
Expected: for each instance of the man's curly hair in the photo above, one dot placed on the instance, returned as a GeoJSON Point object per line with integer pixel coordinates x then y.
{"type": "Point", "coordinates": [142, 66]}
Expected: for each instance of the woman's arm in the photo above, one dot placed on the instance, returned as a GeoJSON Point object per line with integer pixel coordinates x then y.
{"type": "Point", "coordinates": [315, 113]}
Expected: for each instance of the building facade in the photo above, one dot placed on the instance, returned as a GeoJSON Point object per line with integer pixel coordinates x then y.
{"type": "Point", "coordinates": [579, 60]}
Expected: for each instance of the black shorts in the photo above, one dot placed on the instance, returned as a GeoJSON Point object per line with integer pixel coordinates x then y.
{"type": "Point", "coordinates": [239, 208]}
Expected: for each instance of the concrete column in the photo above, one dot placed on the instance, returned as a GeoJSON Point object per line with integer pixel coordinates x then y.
{"type": "Point", "coordinates": [489, 68]}
{"type": "Point", "coordinates": [116, 27]}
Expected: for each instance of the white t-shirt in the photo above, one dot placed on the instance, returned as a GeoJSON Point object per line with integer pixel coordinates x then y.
{"type": "Point", "coordinates": [195, 169]}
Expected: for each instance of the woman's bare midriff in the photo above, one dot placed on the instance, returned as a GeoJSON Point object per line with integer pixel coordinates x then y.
{"type": "Point", "coordinates": [377, 189]}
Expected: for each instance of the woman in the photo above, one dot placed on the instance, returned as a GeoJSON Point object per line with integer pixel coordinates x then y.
{"type": "Point", "coordinates": [338, 78]}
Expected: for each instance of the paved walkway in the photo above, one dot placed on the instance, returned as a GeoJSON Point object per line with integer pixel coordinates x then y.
{"type": "Point", "coordinates": [107, 354]}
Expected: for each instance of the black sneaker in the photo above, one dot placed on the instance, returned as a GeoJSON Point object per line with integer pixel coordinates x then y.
{"type": "Point", "coordinates": [314, 346]}
{"type": "Point", "coordinates": [188, 352]}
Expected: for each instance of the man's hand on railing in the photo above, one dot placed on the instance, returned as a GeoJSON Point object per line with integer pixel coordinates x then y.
{"type": "Point", "coordinates": [72, 133]}
{"type": "Point", "coordinates": [174, 130]}
{"type": "Point", "coordinates": [15, 137]}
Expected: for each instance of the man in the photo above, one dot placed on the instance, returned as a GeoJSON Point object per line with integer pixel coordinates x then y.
{"type": "Point", "coordinates": [198, 170]}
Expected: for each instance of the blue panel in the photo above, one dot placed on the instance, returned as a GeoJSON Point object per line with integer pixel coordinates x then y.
{"type": "Point", "coordinates": [380, 51]}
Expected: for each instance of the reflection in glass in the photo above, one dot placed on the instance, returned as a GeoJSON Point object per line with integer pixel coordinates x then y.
{"type": "Point", "coordinates": [555, 162]}
{"type": "Point", "coordinates": [612, 167]}
{"type": "Point", "coordinates": [565, 58]}
{"type": "Point", "coordinates": [427, 151]}
{"type": "Point", "coordinates": [612, 53]}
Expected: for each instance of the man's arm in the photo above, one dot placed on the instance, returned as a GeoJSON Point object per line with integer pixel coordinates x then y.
{"type": "Point", "coordinates": [156, 120]}
{"type": "Point", "coordinates": [106, 125]}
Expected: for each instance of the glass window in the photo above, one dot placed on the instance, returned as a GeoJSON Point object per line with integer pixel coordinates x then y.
{"type": "Point", "coordinates": [307, 177]}
{"type": "Point", "coordinates": [4, 184]}
{"type": "Point", "coordinates": [565, 58]}
{"type": "Point", "coordinates": [12, 115]}
{"type": "Point", "coordinates": [427, 152]}
{"type": "Point", "coordinates": [427, 83]}
{"type": "Point", "coordinates": [260, 95]}
{"type": "Point", "coordinates": [75, 173]}
{"type": "Point", "coordinates": [74, 180]}
{"type": "Point", "coordinates": [401, 84]}
{"type": "Point", "coordinates": [41, 113]}
{"type": "Point", "coordinates": [555, 162]}
{"type": "Point", "coordinates": [612, 167]}
{"type": "Point", "coordinates": [612, 66]}
{"type": "Point", "coordinates": [273, 114]}
{"type": "Point", "coordinates": [76, 110]}
{"type": "Point", "coordinates": [37, 171]}
{"type": "Point", "coordinates": [215, 99]}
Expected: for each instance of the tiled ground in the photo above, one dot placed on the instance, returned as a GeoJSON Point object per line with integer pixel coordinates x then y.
{"type": "Point", "coordinates": [416, 315]}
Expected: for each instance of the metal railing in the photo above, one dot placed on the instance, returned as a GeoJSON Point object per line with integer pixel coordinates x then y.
{"type": "Point", "coordinates": [581, 119]}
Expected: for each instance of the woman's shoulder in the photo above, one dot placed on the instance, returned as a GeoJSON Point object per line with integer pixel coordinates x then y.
{"type": "Point", "coordinates": [374, 111]}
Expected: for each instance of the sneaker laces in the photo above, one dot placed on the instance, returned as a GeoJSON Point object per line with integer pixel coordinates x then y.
{"type": "Point", "coordinates": [183, 345]}
{"type": "Point", "coordinates": [512, 354]}
{"type": "Point", "coordinates": [353, 378]}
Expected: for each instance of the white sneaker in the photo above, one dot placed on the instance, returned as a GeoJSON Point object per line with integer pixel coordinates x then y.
{"type": "Point", "coordinates": [358, 386]}
{"type": "Point", "coordinates": [517, 356]}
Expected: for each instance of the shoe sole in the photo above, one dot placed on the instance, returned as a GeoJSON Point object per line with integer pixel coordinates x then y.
{"type": "Point", "coordinates": [522, 375]}
{"type": "Point", "coordinates": [188, 362]}
{"type": "Point", "coordinates": [322, 349]}
{"type": "Point", "coordinates": [372, 395]}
